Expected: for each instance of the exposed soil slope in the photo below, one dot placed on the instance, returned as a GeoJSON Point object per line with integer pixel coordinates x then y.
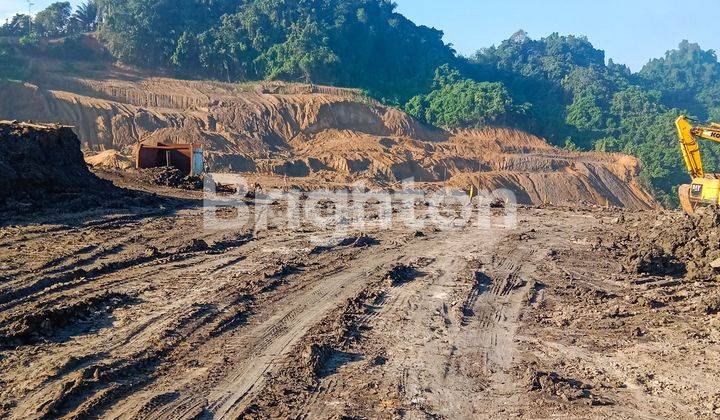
{"type": "Point", "coordinates": [327, 134]}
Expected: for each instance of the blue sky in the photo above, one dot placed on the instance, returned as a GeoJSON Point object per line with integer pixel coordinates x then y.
{"type": "Point", "coordinates": [630, 31]}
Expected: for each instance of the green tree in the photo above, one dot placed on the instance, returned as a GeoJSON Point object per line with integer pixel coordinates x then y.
{"type": "Point", "coordinates": [463, 103]}
{"type": "Point", "coordinates": [534, 72]}
{"type": "Point", "coordinates": [85, 17]}
{"type": "Point", "coordinates": [585, 113]}
{"type": "Point", "coordinates": [646, 129]}
{"type": "Point", "coordinates": [304, 56]}
{"type": "Point", "coordinates": [225, 52]}
{"type": "Point", "coordinates": [18, 25]}
{"type": "Point", "coordinates": [574, 95]}
{"type": "Point", "coordinates": [688, 77]}
{"type": "Point", "coordinates": [446, 75]}
{"type": "Point", "coordinates": [146, 32]}
{"type": "Point", "coordinates": [54, 20]}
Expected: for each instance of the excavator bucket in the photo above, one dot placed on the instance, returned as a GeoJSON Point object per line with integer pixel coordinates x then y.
{"type": "Point", "coordinates": [685, 203]}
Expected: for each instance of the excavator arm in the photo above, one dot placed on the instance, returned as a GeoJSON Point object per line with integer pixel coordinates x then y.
{"type": "Point", "coordinates": [689, 144]}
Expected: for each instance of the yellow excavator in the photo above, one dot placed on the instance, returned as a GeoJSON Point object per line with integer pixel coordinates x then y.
{"type": "Point", "coordinates": [705, 188]}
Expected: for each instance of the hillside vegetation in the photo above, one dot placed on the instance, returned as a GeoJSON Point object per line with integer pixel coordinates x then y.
{"type": "Point", "coordinates": [558, 87]}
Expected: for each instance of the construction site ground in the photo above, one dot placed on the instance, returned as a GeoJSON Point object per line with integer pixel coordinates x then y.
{"type": "Point", "coordinates": [136, 311]}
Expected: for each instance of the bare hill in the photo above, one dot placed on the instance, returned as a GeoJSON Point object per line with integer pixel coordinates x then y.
{"type": "Point", "coordinates": [323, 133]}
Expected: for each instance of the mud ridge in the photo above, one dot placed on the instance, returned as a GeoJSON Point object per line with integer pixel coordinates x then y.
{"type": "Point", "coordinates": [330, 345]}
{"type": "Point", "coordinates": [45, 325]}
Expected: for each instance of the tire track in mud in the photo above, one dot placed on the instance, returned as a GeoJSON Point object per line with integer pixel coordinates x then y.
{"type": "Point", "coordinates": [259, 348]}
{"type": "Point", "coordinates": [121, 343]}
{"type": "Point", "coordinates": [87, 263]}
{"type": "Point", "coordinates": [233, 365]}
{"type": "Point", "coordinates": [498, 313]}
{"type": "Point", "coordinates": [51, 291]}
{"type": "Point", "coordinates": [357, 318]}
{"type": "Point", "coordinates": [265, 344]}
{"type": "Point", "coordinates": [397, 318]}
{"type": "Point", "coordinates": [449, 336]}
{"type": "Point", "coordinates": [152, 402]}
{"type": "Point", "coordinates": [129, 342]}
{"type": "Point", "coordinates": [430, 382]}
{"type": "Point", "coordinates": [117, 252]}
{"type": "Point", "coordinates": [503, 282]}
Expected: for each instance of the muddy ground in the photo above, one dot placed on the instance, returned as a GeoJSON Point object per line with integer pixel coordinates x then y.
{"type": "Point", "coordinates": [133, 310]}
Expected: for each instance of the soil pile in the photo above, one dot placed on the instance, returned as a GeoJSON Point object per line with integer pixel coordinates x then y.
{"type": "Point", "coordinates": [111, 159]}
{"type": "Point", "coordinates": [36, 160]}
{"type": "Point", "coordinates": [565, 389]}
{"type": "Point", "coordinates": [674, 244]}
{"type": "Point", "coordinates": [170, 177]}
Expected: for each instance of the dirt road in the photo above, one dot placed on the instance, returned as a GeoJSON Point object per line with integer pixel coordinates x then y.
{"type": "Point", "coordinates": [138, 312]}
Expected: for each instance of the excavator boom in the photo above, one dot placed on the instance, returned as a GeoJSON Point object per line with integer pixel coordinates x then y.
{"type": "Point", "coordinates": [690, 148]}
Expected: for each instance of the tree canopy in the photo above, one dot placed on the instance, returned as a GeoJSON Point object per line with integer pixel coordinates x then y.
{"type": "Point", "coordinates": [54, 20]}
{"type": "Point", "coordinates": [11, 66]}
{"type": "Point", "coordinates": [464, 103]}
{"type": "Point", "coordinates": [688, 77]}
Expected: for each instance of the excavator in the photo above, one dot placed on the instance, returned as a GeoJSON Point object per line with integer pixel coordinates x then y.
{"type": "Point", "coordinates": [705, 188]}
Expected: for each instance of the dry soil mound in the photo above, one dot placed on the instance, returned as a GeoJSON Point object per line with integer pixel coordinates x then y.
{"type": "Point", "coordinates": [40, 159]}
{"type": "Point", "coordinates": [109, 159]}
{"type": "Point", "coordinates": [674, 244]}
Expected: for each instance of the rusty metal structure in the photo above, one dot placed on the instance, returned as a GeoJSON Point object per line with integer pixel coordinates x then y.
{"type": "Point", "coordinates": [188, 158]}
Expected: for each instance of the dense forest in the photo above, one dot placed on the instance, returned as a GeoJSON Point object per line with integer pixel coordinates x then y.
{"type": "Point", "coordinates": [559, 87]}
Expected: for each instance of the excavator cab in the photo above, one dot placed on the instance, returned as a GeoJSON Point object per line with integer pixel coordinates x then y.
{"type": "Point", "coordinates": [704, 188]}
